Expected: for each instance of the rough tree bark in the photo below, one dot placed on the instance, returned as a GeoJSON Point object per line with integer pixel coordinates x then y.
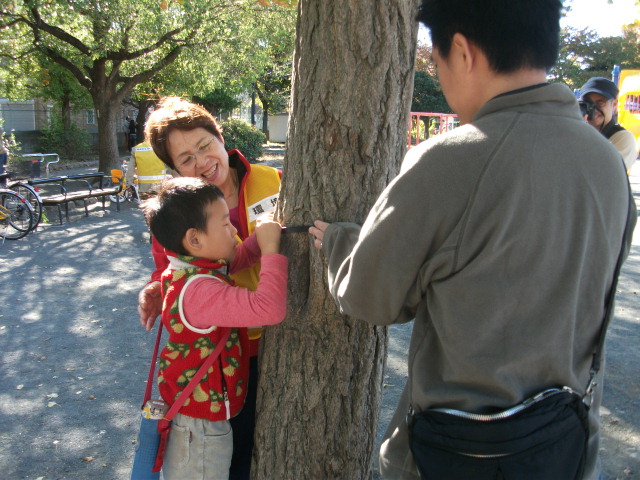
{"type": "Point", "coordinates": [321, 373]}
{"type": "Point", "coordinates": [106, 113]}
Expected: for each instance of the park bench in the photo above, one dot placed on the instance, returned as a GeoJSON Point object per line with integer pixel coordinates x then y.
{"type": "Point", "coordinates": [59, 191]}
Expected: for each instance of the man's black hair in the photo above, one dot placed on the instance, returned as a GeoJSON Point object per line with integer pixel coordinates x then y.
{"type": "Point", "coordinates": [512, 33]}
{"type": "Point", "coordinates": [179, 205]}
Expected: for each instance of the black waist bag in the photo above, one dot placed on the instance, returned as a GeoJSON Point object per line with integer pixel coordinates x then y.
{"type": "Point", "coordinates": [544, 437]}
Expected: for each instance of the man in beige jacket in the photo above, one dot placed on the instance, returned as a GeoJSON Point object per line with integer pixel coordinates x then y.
{"type": "Point", "coordinates": [499, 239]}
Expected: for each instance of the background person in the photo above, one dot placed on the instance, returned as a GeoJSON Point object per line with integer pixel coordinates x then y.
{"type": "Point", "coordinates": [4, 154]}
{"type": "Point", "coordinates": [602, 93]}
{"type": "Point", "coordinates": [187, 138]}
{"type": "Point", "coordinates": [190, 218]}
{"type": "Point", "coordinates": [478, 239]}
{"type": "Point", "coordinates": [149, 169]}
{"type": "Point", "coordinates": [125, 129]}
{"type": "Point", "coordinates": [133, 134]}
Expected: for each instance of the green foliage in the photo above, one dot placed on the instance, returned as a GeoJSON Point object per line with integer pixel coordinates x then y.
{"type": "Point", "coordinates": [427, 95]}
{"type": "Point", "coordinates": [57, 84]}
{"type": "Point", "coordinates": [246, 138]}
{"type": "Point", "coordinates": [584, 55]}
{"type": "Point", "coordinates": [631, 45]}
{"type": "Point", "coordinates": [235, 62]}
{"type": "Point", "coordinates": [72, 143]}
{"type": "Point", "coordinates": [218, 101]}
{"type": "Point", "coordinates": [273, 85]}
{"type": "Point", "coordinates": [111, 46]}
{"type": "Point", "coordinates": [9, 144]}
{"type": "Point", "coordinates": [286, 3]}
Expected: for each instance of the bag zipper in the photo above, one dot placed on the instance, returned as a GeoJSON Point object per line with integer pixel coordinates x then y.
{"type": "Point", "coordinates": [479, 417]}
{"type": "Point", "coordinates": [500, 415]}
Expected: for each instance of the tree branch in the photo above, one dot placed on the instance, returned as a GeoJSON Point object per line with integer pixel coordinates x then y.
{"type": "Point", "coordinates": [63, 62]}
{"type": "Point", "coordinates": [122, 55]}
{"type": "Point", "coordinates": [131, 82]}
{"type": "Point", "coordinates": [39, 24]}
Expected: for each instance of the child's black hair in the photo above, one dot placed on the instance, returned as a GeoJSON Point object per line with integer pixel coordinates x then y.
{"type": "Point", "coordinates": [179, 205]}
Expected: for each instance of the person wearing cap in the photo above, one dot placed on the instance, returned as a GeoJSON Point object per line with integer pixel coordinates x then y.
{"type": "Point", "coordinates": [601, 95]}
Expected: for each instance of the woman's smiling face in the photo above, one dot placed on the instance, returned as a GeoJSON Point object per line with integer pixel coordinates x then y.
{"type": "Point", "coordinates": [199, 153]}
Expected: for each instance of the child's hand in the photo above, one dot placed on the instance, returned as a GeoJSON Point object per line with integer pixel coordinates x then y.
{"type": "Point", "coordinates": [268, 234]}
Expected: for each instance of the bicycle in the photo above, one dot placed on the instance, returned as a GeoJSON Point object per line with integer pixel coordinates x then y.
{"type": "Point", "coordinates": [16, 215]}
{"type": "Point", "coordinates": [127, 192]}
{"type": "Point", "coordinates": [28, 192]}
{"type": "Point", "coordinates": [33, 197]}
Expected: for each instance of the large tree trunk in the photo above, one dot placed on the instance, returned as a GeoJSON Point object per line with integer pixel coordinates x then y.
{"type": "Point", "coordinates": [253, 108]}
{"type": "Point", "coordinates": [321, 373]}
{"type": "Point", "coordinates": [265, 115]}
{"type": "Point", "coordinates": [265, 120]}
{"type": "Point", "coordinates": [66, 112]}
{"type": "Point", "coordinates": [106, 112]}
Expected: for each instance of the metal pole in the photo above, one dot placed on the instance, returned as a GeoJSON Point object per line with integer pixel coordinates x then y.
{"type": "Point", "coordinates": [616, 74]}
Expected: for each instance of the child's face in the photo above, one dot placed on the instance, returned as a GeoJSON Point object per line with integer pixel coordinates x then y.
{"type": "Point", "coordinates": [218, 241]}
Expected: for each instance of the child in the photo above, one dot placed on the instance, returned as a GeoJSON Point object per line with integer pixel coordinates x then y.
{"type": "Point", "coordinates": [190, 219]}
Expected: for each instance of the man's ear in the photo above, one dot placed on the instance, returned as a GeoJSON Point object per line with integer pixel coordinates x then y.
{"type": "Point", "coordinates": [191, 241]}
{"type": "Point", "coordinates": [466, 51]}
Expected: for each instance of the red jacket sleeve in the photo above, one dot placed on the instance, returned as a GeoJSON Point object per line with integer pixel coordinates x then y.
{"type": "Point", "coordinates": [208, 301]}
{"type": "Point", "coordinates": [160, 260]}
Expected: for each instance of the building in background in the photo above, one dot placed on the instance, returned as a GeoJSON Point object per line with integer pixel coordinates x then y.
{"type": "Point", "coordinates": [27, 118]}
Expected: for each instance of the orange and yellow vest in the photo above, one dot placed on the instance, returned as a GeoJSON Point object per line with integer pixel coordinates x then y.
{"type": "Point", "coordinates": [150, 168]}
{"type": "Point", "coordinates": [259, 190]}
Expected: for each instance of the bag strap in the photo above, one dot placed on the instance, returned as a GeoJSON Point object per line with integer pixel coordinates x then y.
{"type": "Point", "coordinates": [597, 354]}
{"type": "Point", "coordinates": [152, 369]}
{"type": "Point", "coordinates": [192, 383]}
{"type": "Point", "coordinates": [164, 425]}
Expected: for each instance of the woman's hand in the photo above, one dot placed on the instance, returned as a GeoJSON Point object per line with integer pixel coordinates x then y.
{"type": "Point", "coordinates": [318, 232]}
{"type": "Point", "coordinates": [149, 304]}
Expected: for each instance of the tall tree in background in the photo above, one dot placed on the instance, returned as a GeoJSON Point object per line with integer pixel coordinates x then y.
{"type": "Point", "coordinates": [60, 87]}
{"type": "Point", "coordinates": [321, 373]}
{"type": "Point", "coordinates": [225, 72]}
{"type": "Point", "coordinates": [273, 88]}
{"type": "Point", "coordinates": [423, 60]}
{"type": "Point", "coordinates": [273, 85]}
{"type": "Point", "coordinates": [583, 54]}
{"type": "Point", "coordinates": [41, 78]}
{"type": "Point", "coordinates": [427, 93]}
{"type": "Point", "coordinates": [217, 101]}
{"type": "Point", "coordinates": [631, 45]}
{"type": "Point", "coordinates": [110, 46]}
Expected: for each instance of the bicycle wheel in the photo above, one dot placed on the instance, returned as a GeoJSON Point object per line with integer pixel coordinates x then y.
{"type": "Point", "coordinates": [30, 193]}
{"type": "Point", "coordinates": [16, 215]}
{"type": "Point", "coordinates": [127, 194]}
{"type": "Point", "coordinates": [124, 196]}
